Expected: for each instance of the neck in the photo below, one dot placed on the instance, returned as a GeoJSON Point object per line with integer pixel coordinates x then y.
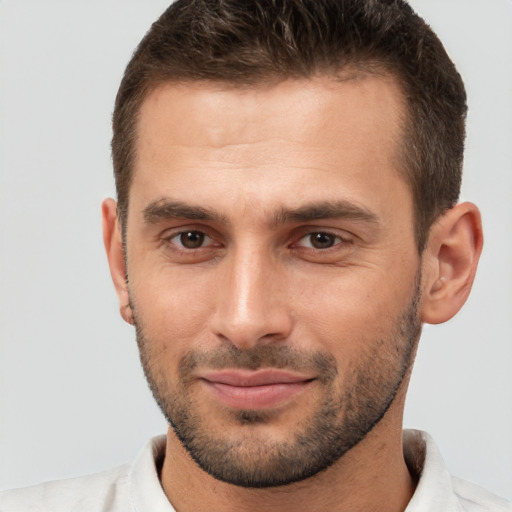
{"type": "Point", "coordinates": [371, 476]}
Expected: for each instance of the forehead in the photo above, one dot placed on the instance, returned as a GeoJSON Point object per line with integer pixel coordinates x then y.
{"type": "Point", "coordinates": [268, 139]}
{"type": "Point", "coordinates": [363, 100]}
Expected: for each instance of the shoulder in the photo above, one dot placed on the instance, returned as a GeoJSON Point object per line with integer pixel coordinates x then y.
{"type": "Point", "coordinates": [107, 490]}
{"type": "Point", "coordinates": [126, 488]}
{"type": "Point", "coordinates": [474, 498]}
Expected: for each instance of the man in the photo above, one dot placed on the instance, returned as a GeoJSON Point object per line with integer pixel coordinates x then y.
{"type": "Point", "coordinates": [287, 177]}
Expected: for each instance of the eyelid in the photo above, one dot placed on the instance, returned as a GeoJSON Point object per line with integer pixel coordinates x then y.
{"type": "Point", "coordinates": [310, 245]}
{"type": "Point", "coordinates": [343, 238]}
{"type": "Point", "coordinates": [179, 244]}
{"type": "Point", "coordinates": [169, 234]}
{"type": "Point", "coordinates": [212, 237]}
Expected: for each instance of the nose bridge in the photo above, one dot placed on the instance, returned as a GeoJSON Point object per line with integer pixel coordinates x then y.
{"type": "Point", "coordinates": [249, 311]}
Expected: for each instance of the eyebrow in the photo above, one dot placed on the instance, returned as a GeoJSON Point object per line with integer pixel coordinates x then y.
{"type": "Point", "coordinates": [163, 209]}
{"type": "Point", "coordinates": [326, 210]}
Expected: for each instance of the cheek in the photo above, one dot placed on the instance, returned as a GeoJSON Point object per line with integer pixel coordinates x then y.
{"type": "Point", "coordinates": [351, 310]}
{"type": "Point", "coordinates": [172, 308]}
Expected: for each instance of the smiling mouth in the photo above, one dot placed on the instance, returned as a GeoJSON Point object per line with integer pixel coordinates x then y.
{"type": "Point", "coordinates": [252, 390]}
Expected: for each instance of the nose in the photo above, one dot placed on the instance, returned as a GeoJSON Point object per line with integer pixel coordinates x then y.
{"type": "Point", "coordinates": [252, 307]}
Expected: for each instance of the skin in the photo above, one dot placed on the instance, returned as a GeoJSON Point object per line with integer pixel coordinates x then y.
{"type": "Point", "coordinates": [246, 156]}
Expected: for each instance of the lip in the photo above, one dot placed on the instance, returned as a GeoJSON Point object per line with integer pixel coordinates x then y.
{"type": "Point", "coordinates": [260, 389]}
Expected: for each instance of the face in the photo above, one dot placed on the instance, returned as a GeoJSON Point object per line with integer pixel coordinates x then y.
{"type": "Point", "coordinates": [272, 268]}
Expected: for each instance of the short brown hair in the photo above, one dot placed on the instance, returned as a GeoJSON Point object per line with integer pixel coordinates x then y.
{"type": "Point", "coordinates": [245, 42]}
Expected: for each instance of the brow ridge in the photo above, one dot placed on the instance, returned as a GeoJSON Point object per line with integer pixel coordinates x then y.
{"type": "Point", "coordinates": [325, 210]}
{"type": "Point", "coordinates": [162, 209]}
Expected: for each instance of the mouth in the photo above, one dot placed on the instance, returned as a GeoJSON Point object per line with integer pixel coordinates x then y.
{"type": "Point", "coordinates": [252, 390]}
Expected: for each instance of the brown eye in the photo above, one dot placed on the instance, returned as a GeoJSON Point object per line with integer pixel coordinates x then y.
{"type": "Point", "coordinates": [191, 239]}
{"type": "Point", "coordinates": [322, 240]}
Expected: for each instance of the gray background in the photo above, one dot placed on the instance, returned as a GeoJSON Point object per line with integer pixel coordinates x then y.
{"type": "Point", "coordinates": [72, 396]}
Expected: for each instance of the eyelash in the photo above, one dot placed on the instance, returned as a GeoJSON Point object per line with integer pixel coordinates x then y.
{"type": "Point", "coordinates": [336, 240]}
{"type": "Point", "coordinates": [180, 234]}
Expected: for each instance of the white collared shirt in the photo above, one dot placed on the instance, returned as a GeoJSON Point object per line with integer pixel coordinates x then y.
{"type": "Point", "coordinates": [136, 487]}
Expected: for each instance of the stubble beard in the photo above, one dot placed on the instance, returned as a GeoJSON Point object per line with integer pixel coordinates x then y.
{"type": "Point", "coordinates": [342, 419]}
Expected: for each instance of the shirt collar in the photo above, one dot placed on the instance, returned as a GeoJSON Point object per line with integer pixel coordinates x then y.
{"type": "Point", "coordinates": [146, 491]}
{"type": "Point", "coordinates": [434, 491]}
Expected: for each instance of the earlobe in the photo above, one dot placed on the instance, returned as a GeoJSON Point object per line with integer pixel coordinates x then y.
{"type": "Point", "coordinates": [450, 261]}
{"type": "Point", "coordinates": [112, 238]}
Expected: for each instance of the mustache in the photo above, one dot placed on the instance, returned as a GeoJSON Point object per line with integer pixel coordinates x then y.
{"type": "Point", "coordinates": [261, 356]}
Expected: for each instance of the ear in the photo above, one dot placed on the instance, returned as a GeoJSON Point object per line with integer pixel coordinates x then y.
{"type": "Point", "coordinates": [450, 261]}
{"type": "Point", "coordinates": [113, 240]}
